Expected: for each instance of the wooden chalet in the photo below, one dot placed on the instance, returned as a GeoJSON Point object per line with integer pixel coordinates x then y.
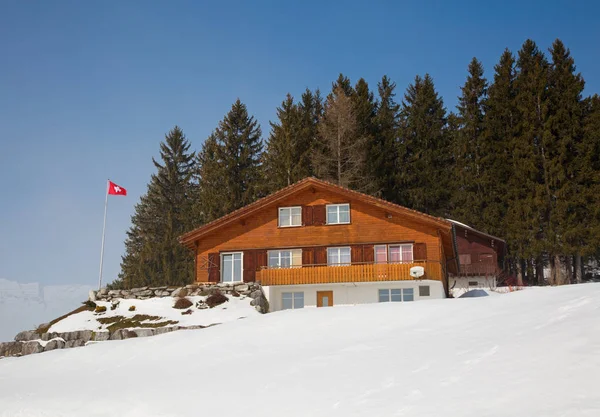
{"type": "Point", "coordinates": [314, 243]}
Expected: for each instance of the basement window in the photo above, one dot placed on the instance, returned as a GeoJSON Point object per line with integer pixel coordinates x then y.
{"type": "Point", "coordinates": [396, 294]}
{"type": "Point", "coordinates": [424, 291]}
{"type": "Point", "coordinates": [292, 300]}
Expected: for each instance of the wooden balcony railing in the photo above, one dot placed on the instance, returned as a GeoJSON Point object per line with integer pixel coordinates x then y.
{"type": "Point", "coordinates": [359, 272]}
{"type": "Point", "coordinates": [479, 269]}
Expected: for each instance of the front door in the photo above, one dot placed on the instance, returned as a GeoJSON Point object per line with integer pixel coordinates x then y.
{"type": "Point", "coordinates": [324, 298]}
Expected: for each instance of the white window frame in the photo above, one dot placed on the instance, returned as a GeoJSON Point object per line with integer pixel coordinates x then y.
{"type": "Point", "coordinates": [339, 255]}
{"type": "Point", "coordinates": [338, 213]}
{"type": "Point", "coordinates": [232, 269]}
{"type": "Point", "coordinates": [293, 300]}
{"type": "Point", "coordinates": [290, 216]}
{"type": "Point", "coordinates": [400, 245]}
{"type": "Point", "coordinates": [278, 251]}
{"type": "Point", "coordinates": [389, 294]}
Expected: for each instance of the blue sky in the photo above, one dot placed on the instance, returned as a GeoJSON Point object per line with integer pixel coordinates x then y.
{"type": "Point", "coordinates": [89, 88]}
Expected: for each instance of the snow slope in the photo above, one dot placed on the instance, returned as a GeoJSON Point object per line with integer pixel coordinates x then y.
{"type": "Point", "coordinates": [234, 309]}
{"type": "Point", "coordinates": [24, 306]}
{"type": "Point", "coordinates": [527, 353]}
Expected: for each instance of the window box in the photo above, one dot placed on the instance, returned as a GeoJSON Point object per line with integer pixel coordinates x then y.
{"type": "Point", "coordinates": [338, 213]}
{"type": "Point", "coordinates": [290, 216]}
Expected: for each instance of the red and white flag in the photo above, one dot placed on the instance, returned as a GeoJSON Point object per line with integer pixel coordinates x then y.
{"type": "Point", "coordinates": [114, 189]}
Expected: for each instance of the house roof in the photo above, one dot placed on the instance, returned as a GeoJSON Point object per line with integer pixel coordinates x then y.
{"type": "Point", "coordinates": [464, 226]}
{"type": "Point", "coordinates": [189, 238]}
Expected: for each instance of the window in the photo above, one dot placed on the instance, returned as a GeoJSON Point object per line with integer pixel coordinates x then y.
{"type": "Point", "coordinates": [424, 291]}
{"type": "Point", "coordinates": [396, 295]}
{"type": "Point", "coordinates": [393, 253]}
{"type": "Point", "coordinates": [231, 267]}
{"type": "Point", "coordinates": [338, 213]}
{"type": "Point", "coordinates": [292, 300]}
{"type": "Point", "coordinates": [473, 283]}
{"type": "Point", "coordinates": [465, 259]}
{"type": "Point", "coordinates": [285, 258]}
{"type": "Point", "coordinates": [290, 216]}
{"type": "Point", "coordinates": [338, 256]}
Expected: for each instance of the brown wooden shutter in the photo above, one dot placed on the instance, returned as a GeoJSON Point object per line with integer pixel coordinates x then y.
{"type": "Point", "coordinates": [321, 256]}
{"type": "Point", "coordinates": [356, 253]}
{"type": "Point", "coordinates": [249, 265]}
{"type": "Point", "coordinates": [307, 215]}
{"type": "Point", "coordinates": [214, 267]}
{"type": "Point", "coordinates": [308, 256]}
{"type": "Point", "coordinates": [319, 217]}
{"type": "Point", "coordinates": [261, 259]}
{"type": "Point", "coordinates": [420, 251]}
{"type": "Point", "coordinates": [368, 253]}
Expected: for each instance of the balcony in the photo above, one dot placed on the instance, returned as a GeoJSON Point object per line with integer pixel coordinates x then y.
{"type": "Point", "coordinates": [356, 272]}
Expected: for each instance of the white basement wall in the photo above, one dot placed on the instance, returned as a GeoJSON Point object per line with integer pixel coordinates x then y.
{"type": "Point", "coordinates": [351, 293]}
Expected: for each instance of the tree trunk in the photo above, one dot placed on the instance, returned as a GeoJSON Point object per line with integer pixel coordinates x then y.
{"type": "Point", "coordinates": [520, 272]}
{"type": "Point", "coordinates": [578, 269]}
{"type": "Point", "coordinates": [539, 270]}
{"type": "Point", "coordinates": [558, 272]}
{"type": "Point", "coordinates": [569, 269]}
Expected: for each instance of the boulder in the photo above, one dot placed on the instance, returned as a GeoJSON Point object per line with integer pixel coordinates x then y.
{"type": "Point", "coordinates": [26, 336]}
{"type": "Point", "coordinates": [54, 344]}
{"type": "Point", "coordinates": [92, 295]}
{"type": "Point", "coordinates": [179, 292]}
{"type": "Point", "coordinates": [242, 287]}
{"type": "Point", "coordinates": [158, 288]}
{"type": "Point", "coordinates": [31, 347]}
{"type": "Point", "coordinates": [192, 286]}
{"type": "Point", "coordinates": [103, 291]}
{"type": "Point", "coordinates": [162, 330]}
{"type": "Point", "coordinates": [11, 349]}
{"type": "Point", "coordinates": [162, 293]}
{"type": "Point", "coordinates": [74, 343]}
{"type": "Point", "coordinates": [144, 332]}
{"type": "Point", "coordinates": [144, 293]}
{"type": "Point", "coordinates": [101, 336]}
{"type": "Point", "coordinates": [114, 293]}
{"type": "Point", "coordinates": [256, 294]}
{"type": "Point", "coordinates": [48, 336]}
{"type": "Point", "coordinates": [140, 289]}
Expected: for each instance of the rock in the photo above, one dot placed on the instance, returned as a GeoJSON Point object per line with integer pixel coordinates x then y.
{"type": "Point", "coordinates": [144, 293]}
{"type": "Point", "coordinates": [140, 289]}
{"type": "Point", "coordinates": [194, 327]}
{"type": "Point", "coordinates": [122, 334]}
{"type": "Point", "coordinates": [162, 293]}
{"type": "Point", "coordinates": [54, 344]}
{"type": "Point", "coordinates": [85, 335]}
{"type": "Point", "coordinates": [255, 294]}
{"type": "Point", "coordinates": [242, 287]}
{"type": "Point", "coordinates": [162, 330]}
{"type": "Point", "coordinates": [191, 286]}
{"type": "Point", "coordinates": [49, 336]}
{"type": "Point", "coordinates": [74, 343]}
{"type": "Point", "coordinates": [158, 288]}
{"type": "Point", "coordinates": [114, 293]}
{"type": "Point", "coordinates": [11, 349]}
{"type": "Point", "coordinates": [92, 295]}
{"type": "Point", "coordinates": [31, 347]}
{"type": "Point", "coordinates": [186, 312]}
{"type": "Point", "coordinates": [26, 336]}
{"type": "Point", "coordinates": [101, 336]}
{"type": "Point", "coordinates": [144, 332]}
{"type": "Point", "coordinates": [103, 291]}
{"type": "Point", "coordinates": [179, 293]}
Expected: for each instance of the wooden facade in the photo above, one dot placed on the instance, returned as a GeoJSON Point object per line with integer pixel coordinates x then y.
{"type": "Point", "coordinates": [254, 230]}
{"type": "Point", "coordinates": [479, 254]}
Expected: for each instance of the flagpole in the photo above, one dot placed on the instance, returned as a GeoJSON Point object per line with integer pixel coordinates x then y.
{"type": "Point", "coordinates": [103, 230]}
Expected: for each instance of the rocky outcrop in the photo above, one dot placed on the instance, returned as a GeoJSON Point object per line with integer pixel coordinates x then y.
{"type": "Point", "coordinates": [30, 341]}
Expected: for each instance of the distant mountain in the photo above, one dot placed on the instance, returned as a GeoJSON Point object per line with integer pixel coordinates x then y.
{"type": "Point", "coordinates": [24, 306]}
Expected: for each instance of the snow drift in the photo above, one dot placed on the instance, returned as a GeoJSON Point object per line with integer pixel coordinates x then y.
{"type": "Point", "coordinates": [528, 353]}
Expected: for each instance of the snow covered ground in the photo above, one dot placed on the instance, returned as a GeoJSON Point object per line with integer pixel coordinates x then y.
{"type": "Point", "coordinates": [529, 353]}
{"type": "Point", "coordinates": [24, 306]}
{"type": "Point", "coordinates": [234, 309]}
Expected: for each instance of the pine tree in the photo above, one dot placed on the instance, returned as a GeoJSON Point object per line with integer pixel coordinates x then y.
{"type": "Point", "coordinates": [153, 253]}
{"type": "Point", "coordinates": [500, 122]}
{"type": "Point", "coordinates": [469, 197]}
{"type": "Point", "coordinates": [563, 134]}
{"type": "Point", "coordinates": [210, 180]}
{"type": "Point", "coordinates": [239, 152]}
{"type": "Point", "coordinates": [364, 108]}
{"type": "Point", "coordinates": [382, 153]}
{"type": "Point", "coordinates": [310, 110]}
{"type": "Point", "coordinates": [424, 154]}
{"type": "Point", "coordinates": [283, 151]}
{"type": "Point", "coordinates": [340, 158]}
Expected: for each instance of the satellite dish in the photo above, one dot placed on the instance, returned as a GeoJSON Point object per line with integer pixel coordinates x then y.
{"type": "Point", "coordinates": [417, 271]}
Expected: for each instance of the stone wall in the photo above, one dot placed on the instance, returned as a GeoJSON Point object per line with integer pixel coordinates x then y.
{"type": "Point", "coordinates": [32, 341]}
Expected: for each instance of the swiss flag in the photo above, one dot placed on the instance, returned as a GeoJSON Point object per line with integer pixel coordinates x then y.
{"type": "Point", "coordinates": [114, 189]}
